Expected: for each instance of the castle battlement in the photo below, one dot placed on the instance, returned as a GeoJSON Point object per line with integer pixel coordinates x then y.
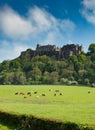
{"type": "Point", "coordinates": [47, 48]}
{"type": "Point", "coordinates": [52, 51]}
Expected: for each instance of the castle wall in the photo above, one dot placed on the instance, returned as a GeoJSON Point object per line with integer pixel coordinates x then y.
{"type": "Point", "coordinates": [53, 51]}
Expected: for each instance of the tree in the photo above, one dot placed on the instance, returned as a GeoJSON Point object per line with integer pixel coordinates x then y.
{"type": "Point", "coordinates": [45, 78]}
{"type": "Point", "coordinates": [35, 74]}
{"type": "Point", "coordinates": [5, 65]}
{"type": "Point", "coordinates": [53, 77]}
{"type": "Point", "coordinates": [66, 73]}
{"type": "Point", "coordinates": [86, 81]}
{"type": "Point", "coordinates": [64, 81]}
{"type": "Point", "coordinates": [15, 64]}
{"type": "Point", "coordinates": [19, 78]}
{"type": "Point", "coordinates": [92, 48]}
{"type": "Point", "coordinates": [9, 78]}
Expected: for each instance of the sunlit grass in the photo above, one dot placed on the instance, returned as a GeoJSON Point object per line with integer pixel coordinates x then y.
{"type": "Point", "coordinates": [77, 104]}
{"type": "Point", "coordinates": [2, 127]}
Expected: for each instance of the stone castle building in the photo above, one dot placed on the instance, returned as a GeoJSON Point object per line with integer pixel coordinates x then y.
{"type": "Point", "coordinates": [71, 49]}
{"type": "Point", "coordinates": [52, 51]}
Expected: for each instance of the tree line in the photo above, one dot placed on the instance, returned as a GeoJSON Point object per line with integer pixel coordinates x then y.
{"type": "Point", "coordinates": [77, 69]}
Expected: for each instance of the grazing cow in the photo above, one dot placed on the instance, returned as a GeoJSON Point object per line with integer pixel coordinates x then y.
{"type": "Point", "coordinates": [54, 94]}
{"type": "Point", "coordinates": [88, 91]}
{"type": "Point", "coordinates": [57, 90]}
{"type": "Point", "coordinates": [22, 93]}
{"type": "Point", "coordinates": [16, 93]}
{"type": "Point", "coordinates": [60, 94]}
{"type": "Point", "coordinates": [43, 94]}
{"type": "Point", "coordinates": [28, 93]}
{"type": "Point", "coordinates": [25, 97]}
{"type": "Point", "coordinates": [35, 92]}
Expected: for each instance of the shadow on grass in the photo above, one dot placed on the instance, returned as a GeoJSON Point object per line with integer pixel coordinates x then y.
{"type": "Point", "coordinates": [22, 122]}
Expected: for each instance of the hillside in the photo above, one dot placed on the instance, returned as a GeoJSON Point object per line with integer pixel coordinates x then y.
{"type": "Point", "coordinates": [51, 65]}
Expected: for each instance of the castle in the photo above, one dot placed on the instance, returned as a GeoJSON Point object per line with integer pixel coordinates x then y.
{"type": "Point", "coordinates": [52, 51]}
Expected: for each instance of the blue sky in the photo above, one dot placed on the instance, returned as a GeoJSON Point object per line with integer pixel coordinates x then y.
{"type": "Point", "coordinates": [25, 23]}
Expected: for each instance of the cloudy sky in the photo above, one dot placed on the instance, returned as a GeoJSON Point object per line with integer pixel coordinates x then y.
{"type": "Point", "coordinates": [24, 23]}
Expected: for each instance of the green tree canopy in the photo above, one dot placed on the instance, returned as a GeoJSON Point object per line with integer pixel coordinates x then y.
{"type": "Point", "coordinates": [92, 48]}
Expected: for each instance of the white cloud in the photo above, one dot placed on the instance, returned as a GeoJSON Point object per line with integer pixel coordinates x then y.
{"type": "Point", "coordinates": [67, 25]}
{"type": "Point", "coordinates": [38, 20]}
{"type": "Point", "coordinates": [38, 25]}
{"type": "Point", "coordinates": [13, 25]}
{"type": "Point", "coordinates": [19, 47]}
{"type": "Point", "coordinates": [10, 52]}
{"type": "Point", "coordinates": [89, 4]}
{"type": "Point", "coordinates": [88, 10]}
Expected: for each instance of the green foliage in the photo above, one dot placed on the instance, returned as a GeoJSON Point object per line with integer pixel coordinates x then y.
{"type": "Point", "coordinates": [93, 85]}
{"type": "Point", "coordinates": [5, 65]}
{"type": "Point", "coordinates": [92, 48]}
{"type": "Point", "coordinates": [86, 81]}
{"type": "Point", "coordinates": [45, 70]}
{"type": "Point", "coordinates": [64, 81]}
{"type": "Point", "coordinates": [24, 122]}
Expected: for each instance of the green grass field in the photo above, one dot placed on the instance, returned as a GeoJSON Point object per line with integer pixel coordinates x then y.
{"type": "Point", "coordinates": [3, 127]}
{"type": "Point", "coordinates": [76, 104]}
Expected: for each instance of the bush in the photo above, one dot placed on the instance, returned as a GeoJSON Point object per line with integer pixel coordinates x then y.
{"type": "Point", "coordinates": [64, 81]}
{"type": "Point", "coordinates": [93, 85]}
{"type": "Point", "coordinates": [71, 126]}
{"type": "Point", "coordinates": [68, 82]}
{"type": "Point", "coordinates": [73, 83]}
{"type": "Point", "coordinates": [86, 81]}
{"type": "Point", "coordinates": [23, 122]}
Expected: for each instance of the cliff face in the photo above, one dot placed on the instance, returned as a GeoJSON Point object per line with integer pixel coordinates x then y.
{"type": "Point", "coordinates": [27, 55]}
{"type": "Point", "coordinates": [52, 51]}
{"type": "Point", "coordinates": [69, 50]}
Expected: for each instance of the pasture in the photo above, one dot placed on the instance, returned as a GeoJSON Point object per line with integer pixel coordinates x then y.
{"type": "Point", "coordinates": [61, 103]}
{"type": "Point", "coordinates": [2, 127]}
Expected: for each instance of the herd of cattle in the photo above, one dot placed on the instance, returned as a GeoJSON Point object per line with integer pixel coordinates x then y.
{"type": "Point", "coordinates": [25, 95]}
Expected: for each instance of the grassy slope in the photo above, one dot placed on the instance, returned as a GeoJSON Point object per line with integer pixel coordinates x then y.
{"type": "Point", "coordinates": [2, 127]}
{"type": "Point", "coordinates": [75, 105]}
